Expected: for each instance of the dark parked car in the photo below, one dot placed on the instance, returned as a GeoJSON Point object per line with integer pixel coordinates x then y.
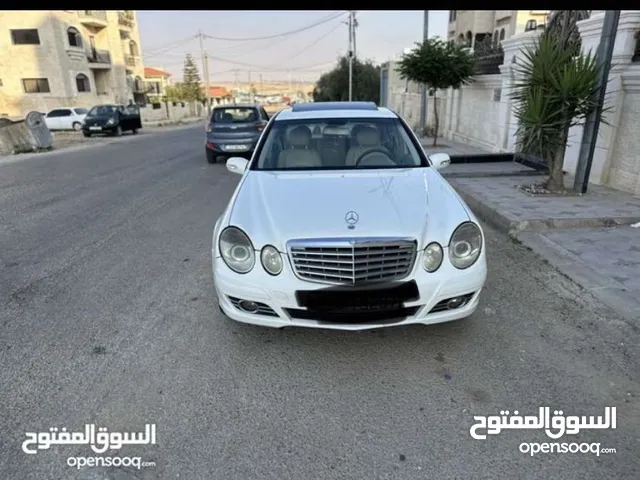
{"type": "Point", "coordinates": [234, 130]}
{"type": "Point", "coordinates": [112, 119]}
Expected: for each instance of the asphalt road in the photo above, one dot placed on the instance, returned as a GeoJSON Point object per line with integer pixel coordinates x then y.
{"type": "Point", "coordinates": [108, 316]}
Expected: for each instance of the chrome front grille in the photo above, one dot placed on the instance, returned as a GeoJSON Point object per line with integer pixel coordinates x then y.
{"type": "Point", "coordinates": [352, 261]}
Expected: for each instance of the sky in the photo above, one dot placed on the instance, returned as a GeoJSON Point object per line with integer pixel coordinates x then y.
{"type": "Point", "coordinates": [167, 36]}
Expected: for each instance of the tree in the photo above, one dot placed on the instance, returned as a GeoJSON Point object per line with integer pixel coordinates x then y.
{"type": "Point", "coordinates": [191, 89]}
{"type": "Point", "coordinates": [333, 86]}
{"type": "Point", "coordinates": [175, 93]}
{"type": "Point", "coordinates": [557, 90]}
{"type": "Point", "coordinates": [438, 65]}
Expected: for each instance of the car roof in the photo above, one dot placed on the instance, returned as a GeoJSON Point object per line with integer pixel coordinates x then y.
{"type": "Point", "coordinates": [238, 105]}
{"type": "Point", "coordinates": [321, 110]}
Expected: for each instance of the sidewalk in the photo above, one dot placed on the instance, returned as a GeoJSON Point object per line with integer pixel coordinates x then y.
{"type": "Point", "coordinates": [586, 237]}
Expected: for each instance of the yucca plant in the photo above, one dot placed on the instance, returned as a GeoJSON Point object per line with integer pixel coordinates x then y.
{"type": "Point", "coordinates": [555, 90]}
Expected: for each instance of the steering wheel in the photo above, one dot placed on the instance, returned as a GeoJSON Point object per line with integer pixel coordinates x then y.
{"type": "Point", "coordinates": [381, 150]}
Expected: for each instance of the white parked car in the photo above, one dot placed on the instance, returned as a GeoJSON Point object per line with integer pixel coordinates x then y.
{"type": "Point", "coordinates": [66, 118]}
{"type": "Point", "coordinates": [341, 221]}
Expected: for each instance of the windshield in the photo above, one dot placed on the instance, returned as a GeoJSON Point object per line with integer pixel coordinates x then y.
{"type": "Point", "coordinates": [102, 111]}
{"type": "Point", "coordinates": [234, 115]}
{"type": "Point", "coordinates": [338, 144]}
{"type": "Point", "coordinates": [81, 111]}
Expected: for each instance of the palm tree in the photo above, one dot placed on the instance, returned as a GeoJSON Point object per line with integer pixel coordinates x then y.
{"type": "Point", "coordinates": [556, 90]}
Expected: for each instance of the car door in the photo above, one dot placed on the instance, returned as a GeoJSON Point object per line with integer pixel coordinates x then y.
{"type": "Point", "coordinates": [65, 119]}
{"type": "Point", "coordinates": [52, 119]}
{"type": "Point", "coordinates": [125, 122]}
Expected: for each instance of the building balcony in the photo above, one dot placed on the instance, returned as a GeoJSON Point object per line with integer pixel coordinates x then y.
{"type": "Point", "coordinates": [99, 59]}
{"type": "Point", "coordinates": [132, 61]}
{"type": "Point", "coordinates": [126, 19]}
{"type": "Point", "coordinates": [93, 18]}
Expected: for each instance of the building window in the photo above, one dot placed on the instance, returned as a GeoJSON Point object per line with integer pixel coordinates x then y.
{"type": "Point", "coordinates": [452, 16]}
{"type": "Point", "coordinates": [82, 82]}
{"type": "Point", "coordinates": [502, 33]}
{"type": "Point", "coordinates": [75, 40]}
{"type": "Point", "coordinates": [469, 38]}
{"type": "Point", "coordinates": [495, 38]}
{"type": "Point", "coordinates": [133, 48]}
{"type": "Point", "coordinates": [25, 37]}
{"type": "Point", "coordinates": [35, 85]}
{"type": "Point", "coordinates": [531, 25]}
{"type": "Point", "coordinates": [636, 52]}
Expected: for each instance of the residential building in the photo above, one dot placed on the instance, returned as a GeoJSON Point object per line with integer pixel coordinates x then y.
{"type": "Point", "coordinates": [219, 95]}
{"type": "Point", "coordinates": [53, 58]}
{"type": "Point", "coordinates": [472, 26]}
{"type": "Point", "coordinates": [156, 82]}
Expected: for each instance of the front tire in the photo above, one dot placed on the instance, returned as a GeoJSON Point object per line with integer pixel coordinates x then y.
{"type": "Point", "coordinates": [211, 156]}
{"type": "Point", "coordinates": [118, 131]}
{"type": "Point", "coordinates": [134, 131]}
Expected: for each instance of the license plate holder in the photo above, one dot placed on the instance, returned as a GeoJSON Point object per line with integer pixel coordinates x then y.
{"type": "Point", "coordinates": [236, 148]}
{"type": "Point", "coordinates": [358, 300]}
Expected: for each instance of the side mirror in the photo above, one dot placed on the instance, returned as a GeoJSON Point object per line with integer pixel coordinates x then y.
{"type": "Point", "coordinates": [237, 165]}
{"type": "Point", "coordinates": [440, 160]}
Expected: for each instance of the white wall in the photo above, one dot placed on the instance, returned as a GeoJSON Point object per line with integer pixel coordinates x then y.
{"type": "Point", "coordinates": [481, 114]}
{"type": "Point", "coordinates": [170, 113]}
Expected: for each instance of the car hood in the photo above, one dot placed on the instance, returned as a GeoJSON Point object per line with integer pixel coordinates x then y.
{"type": "Point", "coordinates": [98, 119]}
{"type": "Point", "coordinates": [274, 207]}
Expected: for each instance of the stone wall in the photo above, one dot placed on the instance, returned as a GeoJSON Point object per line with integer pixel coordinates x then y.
{"type": "Point", "coordinates": [482, 114]}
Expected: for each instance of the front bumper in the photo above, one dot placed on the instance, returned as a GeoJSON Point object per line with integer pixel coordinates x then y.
{"type": "Point", "coordinates": [102, 128]}
{"type": "Point", "coordinates": [278, 295]}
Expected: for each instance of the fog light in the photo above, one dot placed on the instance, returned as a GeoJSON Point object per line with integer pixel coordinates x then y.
{"type": "Point", "coordinates": [456, 302]}
{"type": "Point", "coordinates": [248, 306]}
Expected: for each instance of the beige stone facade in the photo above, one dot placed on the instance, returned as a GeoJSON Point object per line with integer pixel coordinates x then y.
{"type": "Point", "coordinates": [470, 26]}
{"type": "Point", "coordinates": [68, 58]}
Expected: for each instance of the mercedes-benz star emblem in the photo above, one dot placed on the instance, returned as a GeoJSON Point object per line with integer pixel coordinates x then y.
{"type": "Point", "coordinates": [351, 218]}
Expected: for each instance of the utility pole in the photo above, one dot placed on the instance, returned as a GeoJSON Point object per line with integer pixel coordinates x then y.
{"type": "Point", "coordinates": [250, 89]}
{"type": "Point", "coordinates": [235, 85]}
{"type": "Point", "coordinates": [261, 90]}
{"type": "Point", "coordinates": [205, 70]}
{"type": "Point", "coordinates": [590, 133]}
{"type": "Point", "coordinates": [350, 54]}
{"type": "Point", "coordinates": [290, 88]}
{"type": "Point", "coordinates": [423, 93]}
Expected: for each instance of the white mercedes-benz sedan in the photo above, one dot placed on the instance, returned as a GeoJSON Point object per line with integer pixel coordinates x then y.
{"type": "Point", "coordinates": [341, 221]}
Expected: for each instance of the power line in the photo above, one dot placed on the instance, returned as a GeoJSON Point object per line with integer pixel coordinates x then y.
{"type": "Point", "coordinates": [168, 46]}
{"type": "Point", "coordinates": [315, 42]}
{"type": "Point", "coordinates": [263, 67]}
{"type": "Point", "coordinates": [315, 24]}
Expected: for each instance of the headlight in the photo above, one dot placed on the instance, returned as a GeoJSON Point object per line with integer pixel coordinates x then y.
{"type": "Point", "coordinates": [237, 250]}
{"type": "Point", "coordinates": [432, 258]}
{"type": "Point", "coordinates": [465, 245]}
{"type": "Point", "coordinates": [271, 260]}
{"type": "Point", "coordinates": [111, 121]}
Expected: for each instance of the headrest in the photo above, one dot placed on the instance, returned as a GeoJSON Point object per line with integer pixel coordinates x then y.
{"type": "Point", "coordinates": [227, 117]}
{"type": "Point", "coordinates": [300, 136]}
{"type": "Point", "coordinates": [368, 136]}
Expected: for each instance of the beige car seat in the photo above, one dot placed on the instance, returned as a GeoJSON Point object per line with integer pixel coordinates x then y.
{"type": "Point", "coordinates": [299, 155]}
{"type": "Point", "coordinates": [368, 138]}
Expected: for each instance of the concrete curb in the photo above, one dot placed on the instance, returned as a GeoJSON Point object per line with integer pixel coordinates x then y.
{"type": "Point", "coordinates": [521, 173]}
{"type": "Point", "coordinates": [607, 290]}
{"type": "Point", "coordinates": [490, 212]}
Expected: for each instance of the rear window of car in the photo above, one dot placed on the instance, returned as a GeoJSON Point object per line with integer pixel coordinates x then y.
{"type": "Point", "coordinates": [81, 111]}
{"type": "Point", "coordinates": [234, 115]}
